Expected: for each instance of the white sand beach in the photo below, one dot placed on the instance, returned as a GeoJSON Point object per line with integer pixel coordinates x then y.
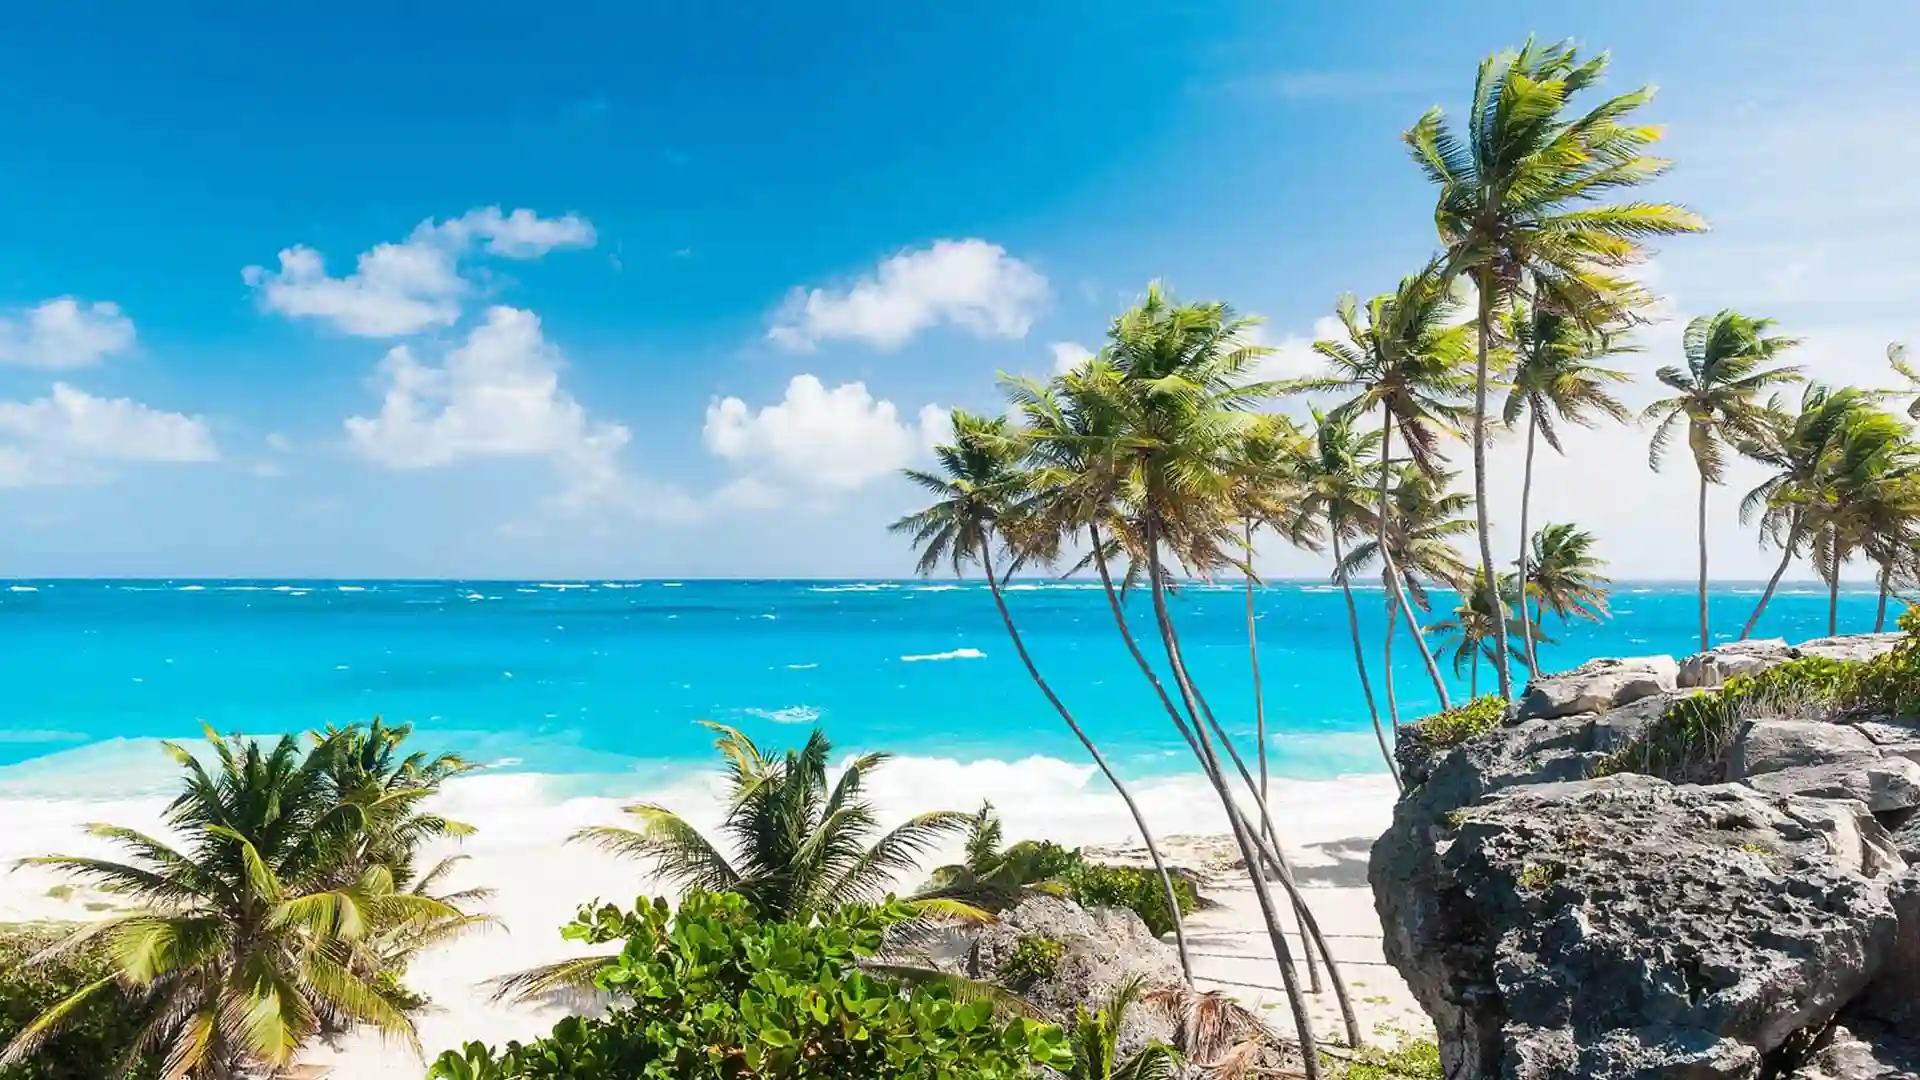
{"type": "Point", "coordinates": [539, 880]}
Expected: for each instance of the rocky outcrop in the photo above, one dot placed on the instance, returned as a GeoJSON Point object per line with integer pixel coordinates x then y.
{"type": "Point", "coordinates": [1850, 646]}
{"type": "Point", "coordinates": [1558, 924]}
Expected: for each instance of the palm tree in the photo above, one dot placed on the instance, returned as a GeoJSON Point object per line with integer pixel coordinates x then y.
{"type": "Point", "coordinates": [1474, 630]}
{"type": "Point", "coordinates": [979, 491]}
{"type": "Point", "coordinates": [1564, 577]}
{"type": "Point", "coordinates": [243, 948]}
{"type": "Point", "coordinates": [1799, 448]}
{"type": "Point", "coordinates": [1519, 208]}
{"type": "Point", "coordinates": [1897, 357]}
{"type": "Point", "coordinates": [1337, 472]}
{"type": "Point", "coordinates": [1555, 381]}
{"type": "Point", "coordinates": [1095, 1038]}
{"type": "Point", "coordinates": [1427, 519]}
{"type": "Point", "coordinates": [1718, 398]}
{"type": "Point", "coordinates": [1872, 504]}
{"type": "Point", "coordinates": [997, 876]}
{"type": "Point", "coordinates": [1408, 359]}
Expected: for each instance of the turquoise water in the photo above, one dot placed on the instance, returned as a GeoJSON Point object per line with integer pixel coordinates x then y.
{"type": "Point", "coordinates": [609, 677]}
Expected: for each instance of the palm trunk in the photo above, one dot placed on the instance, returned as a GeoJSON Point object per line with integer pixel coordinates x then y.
{"type": "Point", "coordinates": [1886, 586]}
{"type": "Point", "coordinates": [1485, 282]}
{"type": "Point", "coordinates": [1473, 678]}
{"type": "Point", "coordinates": [1526, 496]}
{"type": "Point", "coordinates": [1705, 642]}
{"type": "Point", "coordinates": [1833, 587]}
{"type": "Point", "coordinates": [1360, 661]}
{"type": "Point", "coordinates": [1100, 761]}
{"type": "Point", "coordinates": [1276, 861]}
{"type": "Point", "coordinates": [1786, 558]}
{"type": "Point", "coordinates": [1397, 596]}
{"type": "Point", "coordinates": [1249, 849]}
{"type": "Point", "coordinates": [1386, 669]}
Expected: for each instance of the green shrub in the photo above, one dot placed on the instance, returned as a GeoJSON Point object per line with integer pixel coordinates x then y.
{"type": "Point", "coordinates": [1411, 1061]}
{"type": "Point", "coordinates": [708, 992]}
{"type": "Point", "coordinates": [1033, 958]}
{"type": "Point", "coordinates": [1135, 888]}
{"type": "Point", "coordinates": [94, 1046]}
{"type": "Point", "coordinates": [1462, 722]}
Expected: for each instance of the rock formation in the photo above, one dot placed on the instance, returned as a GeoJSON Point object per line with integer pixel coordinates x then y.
{"type": "Point", "coordinates": [1558, 923]}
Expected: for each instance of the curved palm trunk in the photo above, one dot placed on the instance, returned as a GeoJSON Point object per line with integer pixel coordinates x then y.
{"type": "Point", "coordinates": [1705, 642]}
{"type": "Point", "coordinates": [1886, 586]}
{"type": "Point", "coordinates": [1397, 596]}
{"type": "Point", "coordinates": [1833, 588]}
{"type": "Point", "coordinates": [1485, 282]}
{"type": "Point", "coordinates": [1249, 848]}
{"type": "Point", "coordinates": [1526, 496]}
{"type": "Point", "coordinates": [1100, 761]}
{"type": "Point", "coordinates": [1386, 669]}
{"type": "Point", "coordinates": [1786, 558]}
{"type": "Point", "coordinates": [1360, 663]}
{"type": "Point", "coordinates": [1275, 859]}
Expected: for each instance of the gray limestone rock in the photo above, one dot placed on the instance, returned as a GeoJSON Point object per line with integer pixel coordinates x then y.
{"type": "Point", "coordinates": [1850, 646]}
{"type": "Point", "coordinates": [1718, 664]}
{"type": "Point", "coordinates": [1894, 998]}
{"type": "Point", "coordinates": [1882, 783]}
{"type": "Point", "coordinates": [1598, 685]}
{"type": "Point", "coordinates": [1765, 746]}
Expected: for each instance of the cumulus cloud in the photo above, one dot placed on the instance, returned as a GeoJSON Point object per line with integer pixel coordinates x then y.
{"type": "Point", "coordinates": [416, 284]}
{"type": "Point", "coordinates": [70, 436]}
{"type": "Point", "coordinates": [834, 439]}
{"type": "Point", "coordinates": [64, 333]}
{"type": "Point", "coordinates": [1068, 355]}
{"type": "Point", "coordinates": [970, 284]}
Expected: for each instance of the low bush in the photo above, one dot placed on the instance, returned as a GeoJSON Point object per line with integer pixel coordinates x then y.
{"type": "Point", "coordinates": [708, 992]}
{"type": "Point", "coordinates": [1135, 888]}
{"type": "Point", "coordinates": [1462, 722]}
{"type": "Point", "coordinates": [1410, 1061]}
{"type": "Point", "coordinates": [94, 1046]}
{"type": "Point", "coordinates": [1033, 959]}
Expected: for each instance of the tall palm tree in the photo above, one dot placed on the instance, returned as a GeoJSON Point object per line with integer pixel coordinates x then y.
{"type": "Point", "coordinates": [1872, 503]}
{"type": "Point", "coordinates": [1563, 576]}
{"type": "Point", "coordinates": [242, 949]}
{"type": "Point", "coordinates": [1409, 358]}
{"type": "Point", "coordinates": [1799, 448]}
{"type": "Point", "coordinates": [1427, 518]}
{"type": "Point", "coordinates": [1718, 398]}
{"type": "Point", "coordinates": [1337, 476]}
{"type": "Point", "coordinates": [1473, 632]}
{"type": "Point", "coordinates": [979, 491]}
{"type": "Point", "coordinates": [1519, 208]}
{"type": "Point", "coordinates": [1555, 381]}
{"type": "Point", "coordinates": [799, 846]}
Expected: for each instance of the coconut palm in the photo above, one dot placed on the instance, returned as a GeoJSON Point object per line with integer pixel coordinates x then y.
{"type": "Point", "coordinates": [1409, 359]}
{"type": "Point", "coordinates": [1872, 503]}
{"type": "Point", "coordinates": [1897, 357]}
{"type": "Point", "coordinates": [243, 948]}
{"type": "Point", "coordinates": [979, 490]}
{"type": "Point", "coordinates": [994, 875]}
{"type": "Point", "coordinates": [1473, 631]}
{"type": "Point", "coordinates": [1799, 449]}
{"type": "Point", "coordinates": [1427, 519]}
{"type": "Point", "coordinates": [1095, 1038]}
{"type": "Point", "coordinates": [1563, 576]}
{"type": "Point", "coordinates": [1519, 208]}
{"type": "Point", "coordinates": [1718, 399]}
{"type": "Point", "coordinates": [1555, 381]}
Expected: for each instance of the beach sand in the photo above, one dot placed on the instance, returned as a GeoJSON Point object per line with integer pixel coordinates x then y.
{"type": "Point", "coordinates": [539, 881]}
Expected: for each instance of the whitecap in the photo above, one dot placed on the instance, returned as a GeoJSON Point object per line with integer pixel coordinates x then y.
{"type": "Point", "coordinates": [22, 588]}
{"type": "Point", "coordinates": [938, 588]}
{"type": "Point", "coordinates": [191, 588]}
{"type": "Point", "coordinates": [867, 586]}
{"type": "Point", "coordinates": [240, 588]}
{"type": "Point", "coordinates": [801, 667]}
{"type": "Point", "coordinates": [767, 617]}
{"type": "Point", "coordinates": [563, 585]}
{"type": "Point", "coordinates": [339, 667]}
{"type": "Point", "coordinates": [284, 588]}
{"type": "Point", "coordinates": [957, 654]}
{"type": "Point", "coordinates": [669, 584]}
{"type": "Point", "coordinates": [792, 714]}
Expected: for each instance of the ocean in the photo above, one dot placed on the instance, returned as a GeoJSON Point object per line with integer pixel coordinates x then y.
{"type": "Point", "coordinates": [601, 683]}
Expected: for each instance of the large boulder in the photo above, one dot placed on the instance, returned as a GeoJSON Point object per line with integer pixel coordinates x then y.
{"type": "Point", "coordinates": [1860, 1051]}
{"type": "Point", "coordinates": [1884, 784]}
{"type": "Point", "coordinates": [1765, 746]}
{"type": "Point", "coordinates": [1626, 927]}
{"type": "Point", "coordinates": [1722, 662]}
{"type": "Point", "coordinates": [1894, 998]}
{"type": "Point", "coordinates": [1598, 685]}
{"type": "Point", "coordinates": [1851, 646]}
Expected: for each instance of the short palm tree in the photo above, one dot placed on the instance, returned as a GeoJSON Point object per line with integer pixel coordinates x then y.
{"type": "Point", "coordinates": [1718, 400]}
{"type": "Point", "coordinates": [1410, 360]}
{"type": "Point", "coordinates": [982, 495]}
{"type": "Point", "coordinates": [1565, 577]}
{"type": "Point", "coordinates": [1428, 518]}
{"type": "Point", "coordinates": [995, 875]}
{"type": "Point", "coordinates": [1799, 447]}
{"type": "Point", "coordinates": [1872, 503]}
{"type": "Point", "coordinates": [1473, 630]}
{"type": "Point", "coordinates": [1095, 1038]}
{"type": "Point", "coordinates": [1555, 381]}
{"type": "Point", "coordinates": [243, 948]}
{"type": "Point", "coordinates": [1519, 208]}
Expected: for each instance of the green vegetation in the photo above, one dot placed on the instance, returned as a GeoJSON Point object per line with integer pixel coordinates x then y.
{"type": "Point", "coordinates": [1094, 1040]}
{"type": "Point", "coordinates": [714, 990]}
{"type": "Point", "coordinates": [1456, 725]}
{"type": "Point", "coordinates": [1138, 890]}
{"type": "Point", "coordinates": [1412, 1060]}
{"type": "Point", "coordinates": [95, 1038]}
{"type": "Point", "coordinates": [1033, 959]}
{"type": "Point", "coordinates": [290, 910]}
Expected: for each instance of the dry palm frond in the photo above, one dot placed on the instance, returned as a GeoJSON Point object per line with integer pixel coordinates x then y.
{"type": "Point", "coordinates": [1210, 1027]}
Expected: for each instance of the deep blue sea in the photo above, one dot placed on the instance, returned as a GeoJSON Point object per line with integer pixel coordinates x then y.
{"type": "Point", "coordinates": [610, 677]}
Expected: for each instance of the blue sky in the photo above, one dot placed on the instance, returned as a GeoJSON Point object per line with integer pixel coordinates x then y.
{"type": "Point", "coordinates": [580, 341]}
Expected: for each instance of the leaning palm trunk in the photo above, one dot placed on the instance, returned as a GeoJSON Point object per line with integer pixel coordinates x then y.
{"type": "Point", "coordinates": [1249, 847]}
{"type": "Point", "coordinates": [1099, 760]}
{"type": "Point", "coordinates": [1275, 860]}
{"type": "Point", "coordinates": [1833, 583]}
{"type": "Point", "coordinates": [1705, 642]}
{"type": "Point", "coordinates": [1485, 282]}
{"type": "Point", "coordinates": [1526, 496]}
{"type": "Point", "coordinates": [1886, 586]}
{"type": "Point", "coordinates": [1786, 558]}
{"type": "Point", "coordinates": [1360, 663]}
{"type": "Point", "coordinates": [1396, 597]}
{"type": "Point", "coordinates": [1386, 668]}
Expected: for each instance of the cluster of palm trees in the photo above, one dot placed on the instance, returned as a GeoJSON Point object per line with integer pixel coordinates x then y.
{"type": "Point", "coordinates": [288, 909]}
{"type": "Point", "coordinates": [1160, 458]}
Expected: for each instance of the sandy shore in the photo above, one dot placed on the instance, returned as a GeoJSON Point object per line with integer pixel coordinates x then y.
{"type": "Point", "coordinates": [538, 881]}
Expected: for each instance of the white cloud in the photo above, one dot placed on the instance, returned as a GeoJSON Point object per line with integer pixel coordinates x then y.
{"type": "Point", "coordinates": [1292, 356]}
{"type": "Point", "coordinates": [1068, 355]}
{"type": "Point", "coordinates": [971, 284]}
{"type": "Point", "coordinates": [416, 284]}
{"type": "Point", "coordinates": [67, 436]}
{"type": "Point", "coordinates": [834, 439]}
{"type": "Point", "coordinates": [64, 333]}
